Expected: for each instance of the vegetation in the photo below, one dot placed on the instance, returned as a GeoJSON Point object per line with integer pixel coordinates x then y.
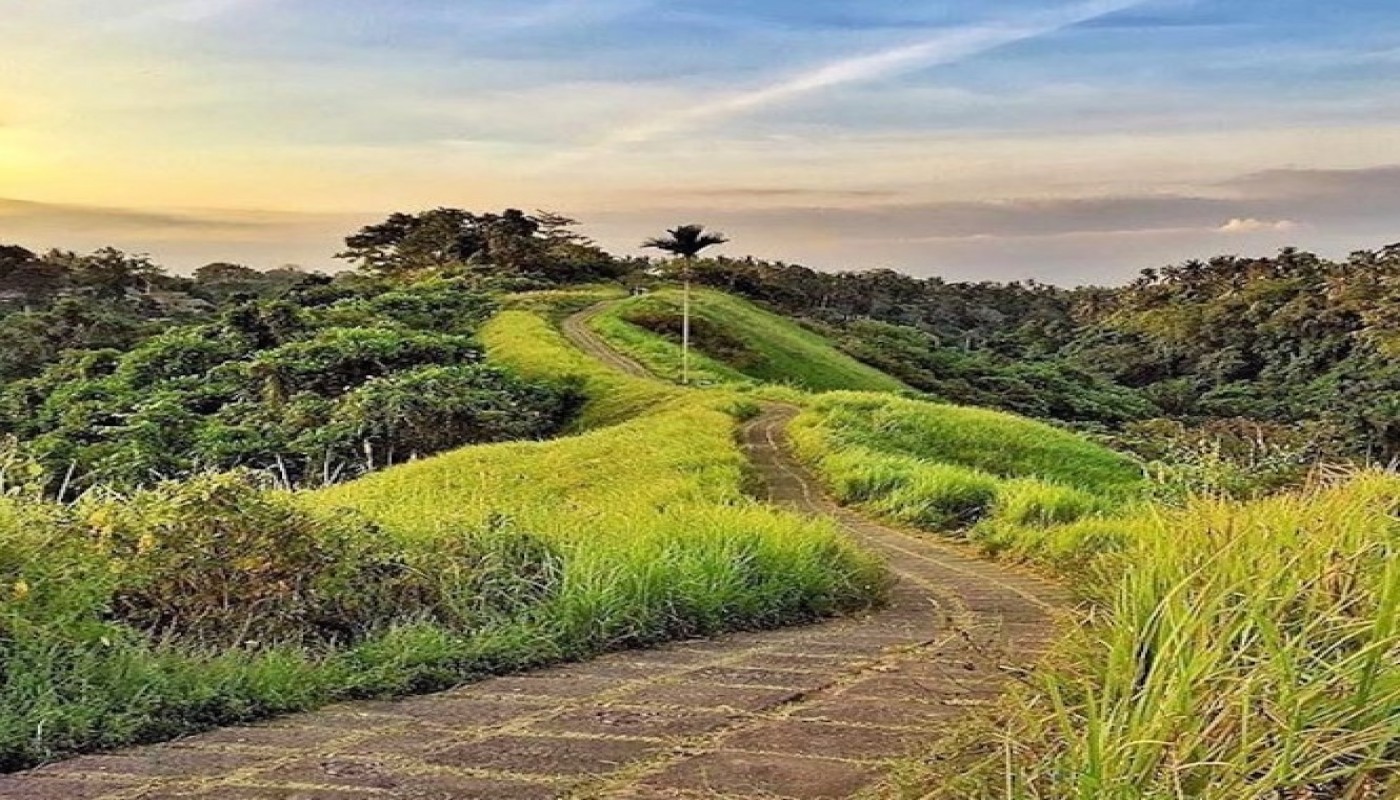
{"type": "Point", "coordinates": [685, 243]}
{"type": "Point", "coordinates": [1288, 342]}
{"type": "Point", "coordinates": [1231, 650]}
{"type": "Point", "coordinates": [1240, 635]}
{"type": "Point", "coordinates": [737, 342]}
{"type": "Point", "coordinates": [948, 467]}
{"type": "Point", "coordinates": [139, 617]}
{"type": "Point", "coordinates": [511, 249]}
{"type": "Point", "coordinates": [314, 391]}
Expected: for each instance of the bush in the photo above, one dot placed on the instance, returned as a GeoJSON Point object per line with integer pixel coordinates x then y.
{"type": "Point", "coordinates": [312, 393]}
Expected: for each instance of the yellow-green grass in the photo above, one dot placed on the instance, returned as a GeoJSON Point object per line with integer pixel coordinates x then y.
{"type": "Point", "coordinates": [946, 468]}
{"type": "Point", "coordinates": [1234, 652]}
{"type": "Point", "coordinates": [555, 304]}
{"type": "Point", "coordinates": [1227, 650]}
{"type": "Point", "coordinates": [529, 344]}
{"type": "Point", "coordinates": [784, 352]}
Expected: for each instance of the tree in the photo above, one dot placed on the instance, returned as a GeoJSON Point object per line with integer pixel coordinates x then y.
{"type": "Point", "coordinates": [686, 242]}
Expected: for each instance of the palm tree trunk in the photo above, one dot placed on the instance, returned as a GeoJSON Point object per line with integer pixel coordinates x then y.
{"type": "Point", "coordinates": [685, 327]}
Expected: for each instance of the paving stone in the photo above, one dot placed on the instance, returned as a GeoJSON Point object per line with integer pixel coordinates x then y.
{"type": "Point", "coordinates": [464, 712]}
{"type": "Point", "coordinates": [547, 755]}
{"type": "Point", "coordinates": [335, 772]}
{"type": "Point", "coordinates": [39, 788]}
{"type": "Point", "coordinates": [413, 743]}
{"type": "Point", "coordinates": [823, 739]}
{"type": "Point", "coordinates": [666, 658]}
{"type": "Point", "coordinates": [896, 688]}
{"type": "Point", "coordinates": [757, 676]}
{"type": "Point", "coordinates": [527, 686]}
{"type": "Point", "coordinates": [820, 664]}
{"type": "Point", "coordinates": [155, 762]}
{"type": "Point", "coordinates": [614, 669]}
{"type": "Point", "coordinates": [774, 776]}
{"type": "Point", "coordinates": [266, 736]}
{"type": "Point", "coordinates": [226, 792]}
{"type": "Point", "coordinates": [341, 717]}
{"type": "Point", "coordinates": [639, 721]}
{"type": "Point", "coordinates": [699, 695]}
{"type": "Point", "coordinates": [838, 648]}
{"type": "Point", "coordinates": [870, 711]}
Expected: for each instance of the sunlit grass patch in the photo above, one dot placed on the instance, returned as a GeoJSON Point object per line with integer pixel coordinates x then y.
{"type": "Point", "coordinates": [735, 342]}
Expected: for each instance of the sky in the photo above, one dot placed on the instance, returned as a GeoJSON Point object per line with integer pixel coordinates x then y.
{"type": "Point", "coordinates": [1066, 141]}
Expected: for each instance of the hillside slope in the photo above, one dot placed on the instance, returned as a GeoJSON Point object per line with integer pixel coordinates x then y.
{"type": "Point", "coordinates": [736, 342]}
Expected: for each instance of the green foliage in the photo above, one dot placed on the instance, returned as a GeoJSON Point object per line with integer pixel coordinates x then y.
{"type": "Point", "coordinates": [739, 340]}
{"type": "Point", "coordinates": [314, 393]}
{"type": "Point", "coordinates": [947, 468]}
{"type": "Point", "coordinates": [1284, 340]}
{"type": "Point", "coordinates": [1047, 388]}
{"type": "Point", "coordinates": [513, 249]}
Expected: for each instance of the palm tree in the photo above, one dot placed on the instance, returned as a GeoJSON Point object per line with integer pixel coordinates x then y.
{"type": "Point", "coordinates": [686, 242]}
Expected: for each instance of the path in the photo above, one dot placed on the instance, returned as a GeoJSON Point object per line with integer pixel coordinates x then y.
{"type": "Point", "coordinates": [807, 713]}
{"type": "Point", "coordinates": [577, 329]}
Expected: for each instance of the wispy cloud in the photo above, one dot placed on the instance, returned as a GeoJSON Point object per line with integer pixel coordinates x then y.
{"type": "Point", "coordinates": [1253, 225]}
{"type": "Point", "coordinates": [945, 47]}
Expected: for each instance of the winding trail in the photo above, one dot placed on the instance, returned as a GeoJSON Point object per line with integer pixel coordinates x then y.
{"type": "Point", "coordinates": [576, 327]}
{"type": "Point", "coordinates": [824, 711]}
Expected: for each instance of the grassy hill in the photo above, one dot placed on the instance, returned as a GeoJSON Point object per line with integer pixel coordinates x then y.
{"type": "Point", "coordinates": [142, 617]}
{"type": "Point", "coordinates": [737, 342]}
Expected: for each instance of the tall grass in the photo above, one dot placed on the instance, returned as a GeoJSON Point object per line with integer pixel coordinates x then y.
{"type": "Point", "coordinates": [127, 619]}
{"type": "Point", "coordinates": [777, 349]}
{"type": "Point", "coordinates": [1235, 651]}
{"type": "Point", "coordinates": [1230, 651]}
{"type": "Point", "coordinates": [946, 468]}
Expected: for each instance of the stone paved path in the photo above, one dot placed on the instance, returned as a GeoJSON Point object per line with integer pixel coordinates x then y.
{"type": "Point", "coordinates": [807, 713]}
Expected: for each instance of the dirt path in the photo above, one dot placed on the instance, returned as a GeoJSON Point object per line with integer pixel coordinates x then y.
{"type": "Point", "coordinates": [576, 328]}
{"type": "Point", "coordinates": [817, 712]}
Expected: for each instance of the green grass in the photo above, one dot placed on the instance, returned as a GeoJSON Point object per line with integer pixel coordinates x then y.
{"type": "Point", "coordinates": [530, 345]}
{"type": "Point", "coordinates": [768, 348]}
{"type": "Point", "coordinates": [1235, 651]}
{"type": "Point", "coordinates": [947, 468]}
{"type": "Point", "coordinates": [127, 619]}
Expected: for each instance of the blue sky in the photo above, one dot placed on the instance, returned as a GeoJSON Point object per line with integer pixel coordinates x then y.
{"type": "Point", "coordinates": [1066, 141]}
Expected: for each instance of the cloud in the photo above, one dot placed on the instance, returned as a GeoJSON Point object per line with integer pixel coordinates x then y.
{"type": "Point", "coordinates": [1252, 225]}
{"type": "Point", "coordinates": [945, 47]}
{"type": "Point", "coordinates": [18, 213]}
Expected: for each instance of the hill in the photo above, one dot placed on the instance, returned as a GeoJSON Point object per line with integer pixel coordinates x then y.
{"type": "Point", "coordinates": [738, 342]}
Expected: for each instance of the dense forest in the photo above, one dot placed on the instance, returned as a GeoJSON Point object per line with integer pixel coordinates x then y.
{"type": "Point", "coordinates": [113, 369]}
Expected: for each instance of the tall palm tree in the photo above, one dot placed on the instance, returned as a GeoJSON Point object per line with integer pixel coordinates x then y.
{"type": "Point", "coordinates": [686, 242]}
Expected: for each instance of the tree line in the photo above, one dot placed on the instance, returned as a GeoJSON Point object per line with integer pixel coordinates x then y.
{"type": "Point", "coordinates": [1290, 348]}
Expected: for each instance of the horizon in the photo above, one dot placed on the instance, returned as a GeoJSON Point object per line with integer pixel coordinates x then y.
{"type": "Point", "coordinates": [1067, 142]}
